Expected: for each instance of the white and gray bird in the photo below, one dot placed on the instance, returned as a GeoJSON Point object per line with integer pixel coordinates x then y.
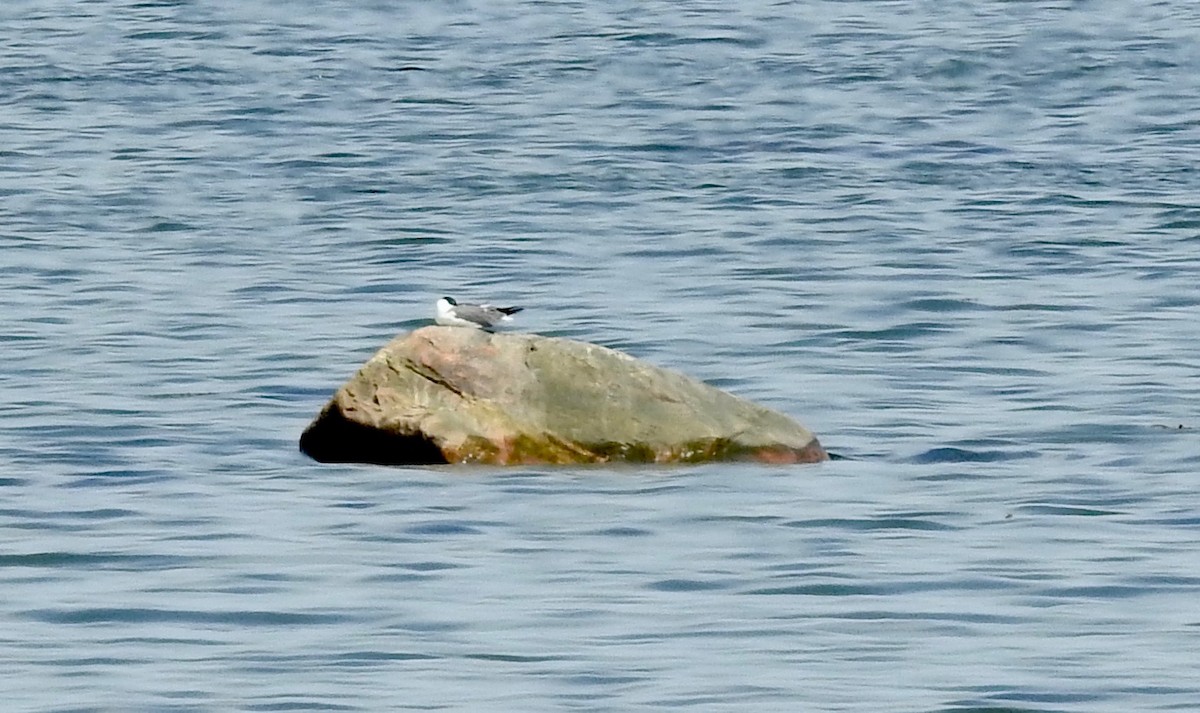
{"type": "Point", "coordinates": [454, 314]}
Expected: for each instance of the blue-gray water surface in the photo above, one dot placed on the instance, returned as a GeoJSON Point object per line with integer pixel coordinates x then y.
{"type": "Point", "coordinates": [959, 241]}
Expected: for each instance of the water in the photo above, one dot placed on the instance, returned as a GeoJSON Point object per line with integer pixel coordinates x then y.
{"type": "Point", "coordinates": [959, 243]}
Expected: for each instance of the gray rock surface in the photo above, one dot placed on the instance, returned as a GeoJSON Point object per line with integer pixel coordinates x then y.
{"type": "Point", "coordinates": [455, 395]}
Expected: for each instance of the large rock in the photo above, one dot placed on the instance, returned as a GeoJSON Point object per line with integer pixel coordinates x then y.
{"type": "Point", "coordinates": [456, 395]}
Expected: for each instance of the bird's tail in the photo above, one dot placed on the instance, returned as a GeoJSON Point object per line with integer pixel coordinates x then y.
{"type": "Point", "coordinates": [510, 310]}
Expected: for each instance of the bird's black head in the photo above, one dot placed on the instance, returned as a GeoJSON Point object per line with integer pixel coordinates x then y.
{"type": "Point", "coordinates": [450, 300]}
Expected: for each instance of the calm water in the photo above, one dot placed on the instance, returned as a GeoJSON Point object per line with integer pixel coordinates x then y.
{"type": "Point", "coordinates": [959, 243]}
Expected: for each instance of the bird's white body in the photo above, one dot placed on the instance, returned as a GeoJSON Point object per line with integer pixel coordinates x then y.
{"type": "Point", "coordinates": [451, 313]}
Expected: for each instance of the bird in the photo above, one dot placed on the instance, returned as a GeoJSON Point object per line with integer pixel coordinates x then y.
{"type": "Point", "coordinates": [450, 313]}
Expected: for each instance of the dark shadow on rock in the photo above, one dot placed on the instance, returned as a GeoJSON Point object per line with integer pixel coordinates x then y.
{"type": "Point", "coordinates": [336, 439]}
